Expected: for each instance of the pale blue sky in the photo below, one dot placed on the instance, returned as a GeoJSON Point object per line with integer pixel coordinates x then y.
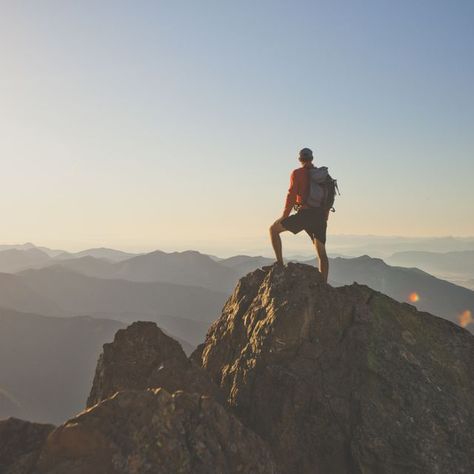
{"type": "Point", "coordinates": [173, 125]}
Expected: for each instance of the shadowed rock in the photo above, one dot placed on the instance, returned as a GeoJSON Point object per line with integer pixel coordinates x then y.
{"type": "Point", "coordinates": [20, 445]}
{"type": "Point", "coordinates": [344, 380]}
{"type": "Point", "coordinates": [142, 356]}
{"type": "Point", "coordinates": [139, 432]}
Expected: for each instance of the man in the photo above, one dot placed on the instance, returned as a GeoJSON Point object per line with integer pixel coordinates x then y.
{"type": "Point", "coordinates": [313, 209]}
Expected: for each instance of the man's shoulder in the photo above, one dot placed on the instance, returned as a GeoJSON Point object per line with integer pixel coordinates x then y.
{"type": "Point", "coordinates": [298, 172]}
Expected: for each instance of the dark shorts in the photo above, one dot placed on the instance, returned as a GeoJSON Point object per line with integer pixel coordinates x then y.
{"type": "Point", "coordinates": [313, 221]}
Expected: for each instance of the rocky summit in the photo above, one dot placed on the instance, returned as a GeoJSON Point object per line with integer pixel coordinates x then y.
{"type": "Point", "coordinates": [294, 377]}
{"type": "Point", "coordinates": [344, 380]}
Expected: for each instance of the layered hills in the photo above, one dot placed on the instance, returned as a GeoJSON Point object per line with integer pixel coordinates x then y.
{"type": "Point", "coordinates": [296, 376]}
{"type": "Point", "coordinates": [184, 311]}
{"type": "Point", "coordinates": [121, 299]}
{"type": "Point", "coordinates": [46, 363]}
{"type": "Point", "coordinates": [457, 267]}
{"type": "Point", "coordinates": [192, 269]}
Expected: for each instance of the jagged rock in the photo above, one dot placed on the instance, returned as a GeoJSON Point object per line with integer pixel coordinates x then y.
{"type": "Point", "coordinates": [139, 432]}
{"type": "Point", "coordinates": [344, 380]}
{"type": "Point", "coordinates": [142, 356]}
{"type": "Point", "coordinates": [20, 444]}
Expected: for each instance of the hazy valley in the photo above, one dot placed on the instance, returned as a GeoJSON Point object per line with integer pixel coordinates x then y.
{"type": "Point", "coordinates": [49, 298]}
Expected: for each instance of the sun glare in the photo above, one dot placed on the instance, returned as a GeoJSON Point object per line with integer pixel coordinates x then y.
{"type": "Point", "coordinates": [414, 297]}
{"type": "Point", "coordinates": [465, 318]}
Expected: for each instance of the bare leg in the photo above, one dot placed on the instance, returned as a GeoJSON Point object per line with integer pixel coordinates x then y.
{"type": "Point", "coordinates": [323, 259]}
{"type": "Point", "coordinates": [275, 230]}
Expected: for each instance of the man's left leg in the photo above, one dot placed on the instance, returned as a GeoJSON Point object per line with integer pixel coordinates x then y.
{"type": "Point", "coordinates": [323, 258]}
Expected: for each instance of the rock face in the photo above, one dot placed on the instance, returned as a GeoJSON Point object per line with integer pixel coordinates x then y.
{"type": "Point", "coordinates": [20, 445]}
{"type": "Point", "coordinates": [344, 380]}
{"type": "Point", "coordinates": [142, 356]}
{"type": "Point", "coordinates": [296, 377]}
{"type": "Point", "coordinates": [139, 432]}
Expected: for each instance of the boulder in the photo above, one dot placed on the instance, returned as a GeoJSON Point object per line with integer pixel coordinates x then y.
{"type": "Point", "coordinates": [142, 356]}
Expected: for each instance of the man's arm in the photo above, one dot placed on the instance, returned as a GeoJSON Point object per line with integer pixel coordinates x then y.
{"type": "Point", "coordinates": [290, 197]}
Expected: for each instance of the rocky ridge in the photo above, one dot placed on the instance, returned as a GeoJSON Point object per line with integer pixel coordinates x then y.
{"type": "Point", "coordinates": [294, 377]}
{"type": "Point", "coordinates": [153, 431]}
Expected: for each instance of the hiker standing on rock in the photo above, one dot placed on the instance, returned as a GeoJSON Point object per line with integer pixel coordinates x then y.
{"type": "Point", "coordinates": [311, 194]}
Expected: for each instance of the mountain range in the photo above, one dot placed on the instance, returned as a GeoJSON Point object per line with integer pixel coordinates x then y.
{"type": "Point", "coordinates": [183, 292]}
{"type": "Point", "coordinates": [142, 285]}
{"type": "Point", "coordinates": [185, 311]}
{"type": "Point", "coordinates": [457, 267]}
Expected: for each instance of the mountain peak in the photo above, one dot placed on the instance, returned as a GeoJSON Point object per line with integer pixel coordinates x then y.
{"type": "Point", "coordinates": [343, 379]}
{"type": "Point", "coordinates": [368, 259]}
{"type": "Point", "coordinates": [142, 356]}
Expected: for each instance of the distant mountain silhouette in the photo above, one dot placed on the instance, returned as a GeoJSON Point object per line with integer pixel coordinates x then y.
{"type": "Point", "coordinates": [243, 264]}
{"type": "Point", "coordinates": [46, 363]}
{"type": "Point", "coordinates": [194, 269]}
{"type": "Point", "coordinates": [29, 246]}
{"type": "Point", "coordinates": [188, 332]}
{"type": "Point", "coordinates": [15, 260]}
{"type": "Point", "coordinates": [182, 268]}
{"type": "Point", "coordinates": [88, 265]}
{"type": "Point", "coordinates": [26, 246]}
{"type": "Point", "coordinates": [75, 294]}
{"type": "Point", "coordinates": [381, 246]}
{"type": "Point", "coordinates": [15, 293]}
{"type": "Point", "coordinates": [449, 265]}
{"type": "Point", "coordinates": [102, 253]}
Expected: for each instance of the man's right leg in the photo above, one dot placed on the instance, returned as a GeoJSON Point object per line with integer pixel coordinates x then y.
{"type": "Point", "coordinates": [323, 259]}
{"type": "Point", "coordinates": [275, 230]}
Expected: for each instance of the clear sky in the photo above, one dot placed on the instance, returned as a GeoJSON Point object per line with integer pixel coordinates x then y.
{"type": "Point", "coordinates": [175, 124]}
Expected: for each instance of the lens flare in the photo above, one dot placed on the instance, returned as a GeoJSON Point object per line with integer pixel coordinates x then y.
{"type": "Point", "coordinates": [465, 318]}
{"type": "Point", "coordinates": [414, 297]}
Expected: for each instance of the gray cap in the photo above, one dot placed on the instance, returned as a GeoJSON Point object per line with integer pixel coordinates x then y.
{"type": "Point", "coordinates": [306, 154]}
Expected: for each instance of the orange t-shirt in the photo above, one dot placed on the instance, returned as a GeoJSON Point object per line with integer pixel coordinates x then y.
{"type": "Point", "coordinates": [299, 189]}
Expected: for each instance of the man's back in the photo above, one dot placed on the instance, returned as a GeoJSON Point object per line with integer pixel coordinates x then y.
{"type": "Point", "coordinates": [298, 190]}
